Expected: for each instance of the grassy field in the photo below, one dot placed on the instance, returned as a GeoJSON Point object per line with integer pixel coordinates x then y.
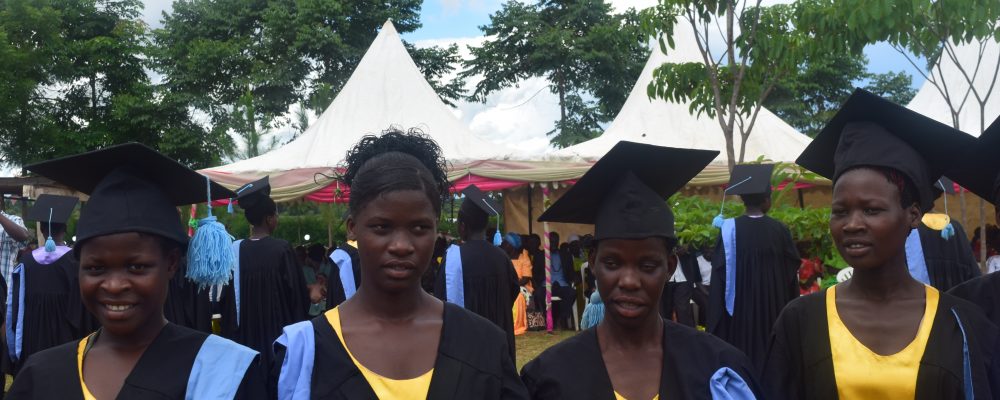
{"type": "Point", "coordinates": [531, 344]}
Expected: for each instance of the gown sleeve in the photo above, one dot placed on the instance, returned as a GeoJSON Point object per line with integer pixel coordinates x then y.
{"type": "Point", "coordinates": [781, 373]}
{"type": "Point", "coordinates": [295, 281]}
{"type": "Point", "coordinates": [254, 385]}
{"type": "Point", "coordinates": [515, 288]}
{"type": "Point", "coordinates": [511, 386]}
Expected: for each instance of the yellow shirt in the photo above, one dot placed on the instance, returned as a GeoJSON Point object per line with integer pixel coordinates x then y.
{"type": "Point", "coordinates": [863, 374]}
{"type": "Point", "coordinates": [620, 397]}
{"type": "Point", "coordinates": [81, 349]}
{"type": "Point", "coordinates": [385, 388]}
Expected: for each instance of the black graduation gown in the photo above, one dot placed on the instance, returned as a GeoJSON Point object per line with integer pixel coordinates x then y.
{"type": "Point", "coordinates": [162, 371]}
{"type": "Point", "coordinates": [273, 294]}
{"type": "Point", "coordinates": [490, 285]}
{"type": "Point", "coordinates": [949, 262]}
{"type": "Point", "coordinates": [53, 311]}
{"type": "Point", "coordinates": [800, 363]}
{"type": "Point", "coordinates": [767, 266]}
{"type": "Point", "coordinates": [984, 292]}
{"type": "Point", "coordinates": [472, 363]}
{"type": "Point", "coordinates": [186, 304]}
{"type": "Point", "coordinates": [574, 368]}
{"type": "Point", "coordinates": [334, 286]}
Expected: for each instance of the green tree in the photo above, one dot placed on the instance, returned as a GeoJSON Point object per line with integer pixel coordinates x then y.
{"type": "Point", "coordinates": [760, 47]}
{"type": "Point", "coordinates": [928, 29]}
{"type": "Point", "coordinates": [281, 52]}
{"type": "Point", "coordinates": [77, 81]}
{"type": "Point", "coordinates": [808, 98]}
{"type": "Point", "coordinates": [590, 56]}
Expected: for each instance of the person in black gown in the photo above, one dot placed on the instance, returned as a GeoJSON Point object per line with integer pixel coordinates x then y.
{"type": "Point", "coordinates": [188, 305]}
{"type": "Point", "coordinates": [938, 261]}
{"type": "Point", "coordinates": [488, 283]}
{"type": "Point", "coordinates": [633, 353]}
{"type": "Point", "coordinates": [881, 334]}
{"type": "Point", "coordinates": [45, 309]}
{"type": "Point", "coordinates": [345, 275]}
{"type": "Point", "coordinates": [130, 241]}
{"type": "Point", "coordinates": [392, 340]}
{"type": "Point", "coordinates": [268, 289]}
{"type": "Point", "coordinates": [754, 268]}
{"type": "Point", "coordinates": [980, 173]}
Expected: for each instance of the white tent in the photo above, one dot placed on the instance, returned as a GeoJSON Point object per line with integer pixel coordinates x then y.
{"type": "Point", "coordinates": [930, 102]}
{"type": "Point", "coordinates": [672, 124]}
{"type": "Point", "coordinates": [386, 89]}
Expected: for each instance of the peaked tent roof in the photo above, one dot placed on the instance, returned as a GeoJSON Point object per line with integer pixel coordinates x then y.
{"type": "Point", "coordinates": [930, 102]}
{"type": "Point", "coordinates": [671, 124]}
{"type": "Point", "coordinates": [386, 89]}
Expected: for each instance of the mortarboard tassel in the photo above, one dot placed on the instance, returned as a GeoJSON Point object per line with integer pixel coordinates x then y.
{"type": "Point", "coordinates": [719, 219]}
{"type": "Point", "coordinates": [50, 245]}
{"type": "Point", "coordinates": [948, 230]}
{"type": "Point", "coordinates": [229, 207]}
{"type": "Point", "coordinates": [210, 255]}
{"type": "Point", "coordinates": [497, 237]}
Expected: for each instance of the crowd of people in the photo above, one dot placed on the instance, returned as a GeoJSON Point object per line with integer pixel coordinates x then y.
{"type": "Point", "coordinates": [402, 312]}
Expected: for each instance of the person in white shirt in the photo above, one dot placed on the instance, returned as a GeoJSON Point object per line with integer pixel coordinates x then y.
{"type": "Point", "coordinates": [13, 237]}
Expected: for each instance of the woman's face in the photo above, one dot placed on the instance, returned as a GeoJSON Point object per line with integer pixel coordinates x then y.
{"type": "Point", "coordinates": [630, 277]}
{"type": "Point", "coordinates": [395, 233]}
{"type": "Point", "coordinates": [867, 223]}
{"type": "Point", "coordinates": [123, 280]}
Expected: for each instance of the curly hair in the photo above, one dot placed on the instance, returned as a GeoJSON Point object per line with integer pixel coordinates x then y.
{"type": "Point", "coordinates": [394, 161]}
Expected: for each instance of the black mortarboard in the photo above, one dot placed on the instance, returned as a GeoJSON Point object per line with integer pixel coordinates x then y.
{"type": "Point", "coordinates": [979, 170]}
{"type": "Point", "coordinates": [132, 189]}
{"type": "Point", "coordinates": [252, 193]}
{"type": "Point", "coordinates": [476, 199]}
{"type": "Point", "coordinates": [623, 195]}
{"type": "Point", "coordinates": [871, 131]}
{"type": "Point", "coordinates": [750, 179]}
{"type": "Point", "coordinates": [944, 185]}
{"type": "Point", "coordinates": [60, 207]}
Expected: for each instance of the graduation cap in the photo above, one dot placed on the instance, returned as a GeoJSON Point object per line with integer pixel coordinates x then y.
{"type": "Point", "coordinates": [745, 179]}
{"type": "Point", "coordinates": [478, 202]}
{"type": "Point", "coordinates": [945, 185]}
{"type": "Point", "coordinates": [134, 188]}
{"type": "Point", "coordinates": [251, 194]}
{"type": "Point", "coordinates": [54, 210]}
{"type": "Point", "coordinates": [871, 131]}
{"type": "Point", "coordinates": [623, 195]}
{"type": "Point", "coordinates": [979, 170]}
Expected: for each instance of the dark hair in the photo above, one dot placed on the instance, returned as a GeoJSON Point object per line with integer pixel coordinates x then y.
{"type": "Point", "coordinates": [474, 220]}
{"type": "Point", "coordinates": [395, 161]}
{"type": "Point", "coordinates": [907, 190]}
{"type": "Point", "coordinates": [56, 229]}
{"type": "Point", "coordinates": [260, 211]}
{"type": "Point", "coordinates": [316, 252]}
{"type": "Point", "coordinates": [668, 243]}
{"type": "Point", "coordinates": [755, 200]}
{"type": "Point", "coordinates": [166, 245]}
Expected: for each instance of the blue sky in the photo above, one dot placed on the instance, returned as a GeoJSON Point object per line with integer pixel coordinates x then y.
{"type": "Point", "coordinates": [462, 18]}
{"type": "Point", "coordinates": [519, 116]}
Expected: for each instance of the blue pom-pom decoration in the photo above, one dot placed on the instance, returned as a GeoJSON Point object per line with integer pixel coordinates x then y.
{"type": "Point", "coordinates": [229, 207]}
{"type": "Point", "coordinates": [210, 255]}
{"type": "Point", "coordinates": [497, 238]}
{"type": "Point", "coordinates": [50, 245]}
{"type": "Point", "coordinates": [717, 221]}
{"type": "Point", "coordinates": [948, 231]}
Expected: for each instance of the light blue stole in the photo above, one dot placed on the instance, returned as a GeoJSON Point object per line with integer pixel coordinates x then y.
{"type": "Point", "coordinates": [453, 280]}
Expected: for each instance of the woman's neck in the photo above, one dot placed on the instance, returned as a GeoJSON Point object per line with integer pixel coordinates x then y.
{"type": "Point", "coordinates": [391, 305]}
{"type": "Point", "coordinates": [138, 340]}
{"type": "Point", "coordinates": [889, 281]}
{"type": "Point", "coordinates": [645, 334]}
{"type": "Point", "coordinates": [259, 232]}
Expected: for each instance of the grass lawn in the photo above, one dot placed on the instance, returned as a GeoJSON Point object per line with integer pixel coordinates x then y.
{"type": "Point", "coordinates": [531, 344]}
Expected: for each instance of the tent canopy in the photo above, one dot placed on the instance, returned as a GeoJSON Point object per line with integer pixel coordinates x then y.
{"type": "Point", "coordinates": [659, 122]}
{"type": "Point", "coordinates": [979, 63]}
{"type": "Point", "coordinates": [386, 89]}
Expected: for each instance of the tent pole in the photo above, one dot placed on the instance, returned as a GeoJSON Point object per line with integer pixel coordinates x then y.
{"type": "Point", "coordinates": [530, 217]}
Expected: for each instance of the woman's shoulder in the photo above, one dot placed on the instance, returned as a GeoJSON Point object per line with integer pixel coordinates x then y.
{"type": "Point", "coordinates": [577, 351]}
